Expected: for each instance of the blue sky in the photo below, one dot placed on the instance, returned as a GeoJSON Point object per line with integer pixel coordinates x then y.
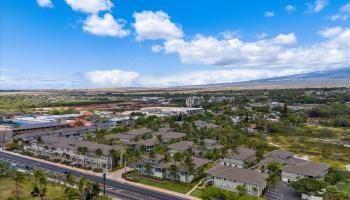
{"type": "Point", "coordinates": [118, 43]}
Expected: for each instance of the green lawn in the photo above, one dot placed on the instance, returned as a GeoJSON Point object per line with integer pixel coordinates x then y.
{"type": "Point", "coordinates": [197, 193]}
{"type": "Point", "coordinates": [344, 187]}
{"type": "Point", "coordinates": [165, 184]}
{"type": "Point", "coordinates": [7, 189]}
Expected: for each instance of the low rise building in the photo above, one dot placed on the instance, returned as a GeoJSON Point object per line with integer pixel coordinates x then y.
{"type": "Point", "coordinates": [241, 157]}
{"type": "Point", "coordinates": [228, 178]}
{"type": "Point", "coordinates": [170, 136]}
{"type": "Point", "coordinates": [202, 124]}
{"type": "Point", "coordinates": [76, 151]}
{"type": "Point", "coordinates": [307, 169]}
{"type": "Point", "coordinates": [295, 168]}
{"type": "Point", "coordinates": [181, 146]}
{"type": "Point", "coordinates": [154, 166]}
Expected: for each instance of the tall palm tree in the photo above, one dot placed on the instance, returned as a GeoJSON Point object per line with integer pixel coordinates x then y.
{"type": "Point", "coordinates": [189, 166]}
{"type": "Point", "coordinates": [98, 153]}
{"type": "Point", "coordinates": [84, 185]}
{"type": "Point", "coordinates": [83, 151]}
{"type": "Point", "coordinates": [166, 159]}
{"type": "Point", "coordinates": [18, 177]}
{"type": "Point", "coordinates": [42, 185]}
{"type": "Point", "coordinates": [148, 169]}
{"type": "Point", "coordinates": [113, 153]}
{"type": "Point", "coordinates": [172, 172]}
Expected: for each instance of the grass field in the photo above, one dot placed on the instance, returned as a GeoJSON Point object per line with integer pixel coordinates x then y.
{"type": "Point", "coordinates": [165, 184]}
{"type": "Point", "coordinates": [7, 189]}
{"type": "Point", "coordinates": [337, 157]}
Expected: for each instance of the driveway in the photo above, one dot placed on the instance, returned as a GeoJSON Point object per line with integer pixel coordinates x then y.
{"type": "Point", "coordinates": [282, 192]}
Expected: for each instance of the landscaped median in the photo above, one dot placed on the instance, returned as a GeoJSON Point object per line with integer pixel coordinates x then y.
{"type": "Point", "coordinates": [159, 183]}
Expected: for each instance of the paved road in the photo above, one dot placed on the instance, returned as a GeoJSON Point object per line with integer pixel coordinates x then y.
{"type": "Point", "coordinates": [282, 192]}
{"type": "Point", "coordinates": [113, 188]}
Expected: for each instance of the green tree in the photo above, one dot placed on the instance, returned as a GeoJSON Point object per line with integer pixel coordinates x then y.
{"type": "Point", "coordinates": [148, 169]}
{"type": "Point", "coordinates": [172, 172]}
{"type": "Point", "coordinates": [241, 189]}
{"type": "Point", "coordinates": [308, 186]}
{"type": "Point", "coordinates": [71, 194]}
{"type": "Point", "coordinates": [98, 153]}
{"type": "Point", "coordinates": [5, 169]}
{"type": "Point", "coordinates": [19, 178]}
{"type": "Point", "coordinates": [83, 151]}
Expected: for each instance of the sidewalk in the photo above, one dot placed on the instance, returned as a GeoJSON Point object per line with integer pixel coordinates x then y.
{"type": "Point", "coordinates": [116, 176]}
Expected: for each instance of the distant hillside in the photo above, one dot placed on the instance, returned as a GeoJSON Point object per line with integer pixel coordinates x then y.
{"type": "Point", "coordinates": [342, 73]}
{"type": "Point", "coordinates": [329, 78]}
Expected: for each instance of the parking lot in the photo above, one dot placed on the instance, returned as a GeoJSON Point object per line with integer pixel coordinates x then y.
{"type": "Point", "coordinates": [282, 192]}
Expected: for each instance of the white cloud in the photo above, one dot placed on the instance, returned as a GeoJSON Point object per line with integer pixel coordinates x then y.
{"type": "Point", "coordinates": [45, 3]}
{"type": "Point", "coordinates": [155, 25]}
{"type": "Point", "coordinates": [186, 78]}
{"type": "Point", "coordinates": [261, 35]}
{"type": "Point", "coordinates": [290, 9]}
{"type": "Point", "coordinates": [330, 32]}
{"type": "Point", "coordinates": [317, 6]}
{"type": "Point", "coordinates": [231, 34]}
{"type": "Point", "coordinates": [90, 6]}
{"type": "Point", "coordinates": [104, 26]}
{"type": "Point", "coordinates": [157, 48]}
{"type": "Point", "coordinates": [264, 54]}
{"type": "Point", "coordinates": [285, 39]}
{"type": "Point", "coordinates": [343, 13]}
{"type": "Point", "coordinates": [112, 78]}
{"type": "Point", "coordinates": [269, 14]}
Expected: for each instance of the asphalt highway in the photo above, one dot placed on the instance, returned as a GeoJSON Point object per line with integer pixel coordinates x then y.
{"type": "Point", "coordinates": [113, 188]}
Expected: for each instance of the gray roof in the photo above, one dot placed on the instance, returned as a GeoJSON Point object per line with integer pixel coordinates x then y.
{"type": "Point", "coordinates": [170, 135]}
{"type": "Point", "coordinates": [198, 162]}
{"type": "Point", "coordinates": [242, 153]}
{"type": "Point", "coordinates": [282, 161]}
{"type": "Point", "coordinates": [140, 131]}
{"type": "Point", "coordinates": [62, 142]}
{"type": "Point", "coordinates": [123, 136]}
{"type": "Point", "coordinates": [241, 175]}
{"type": "Point", "coordinates": [148, 142]}
{"type": "Point", "coordinates": [156, 157]}
{"type": "Point", "coordinates": [210, 141]}
{"type": "Point", "coordinates": [281, 153]}
{"type": "Point", "coordinates": [203, 124]}
{"type": "Point", "coordinates": [59, 132]}
{"type": "Point", "coordinates": [182, 145]}
{"type": "Point", "coordinates": [308, 168]}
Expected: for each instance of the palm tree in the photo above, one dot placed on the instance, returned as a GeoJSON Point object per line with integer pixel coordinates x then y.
{"type": "Point", "coordinates": [42, 185]}
{"type": "Point", "coordinates": [18, 177]}
{"type": "Point", "coordinates": [36, 175]}
{"type": "Point", "coordinates": [113, 153]}
{"type": "Point", "coordinates": [165, 160]}
{"type": "Point", "coordinates": [98, 153]}
{"type": "Point", "coordinates": [69, 180]}
{"type": "Point", "coordinates": [148, 169]}
{"type": "Point", "coordinates": [83, 151]}
{"type": "Point", "coordinates": [84, 186]}
{"type": "Point", "coordinates": [190, 166]}
{"type": "Point", "coordinates": [172, 172]}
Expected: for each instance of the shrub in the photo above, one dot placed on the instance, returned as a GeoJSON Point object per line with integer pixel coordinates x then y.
{"type": "Point", "coordinates": [97, 170]}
